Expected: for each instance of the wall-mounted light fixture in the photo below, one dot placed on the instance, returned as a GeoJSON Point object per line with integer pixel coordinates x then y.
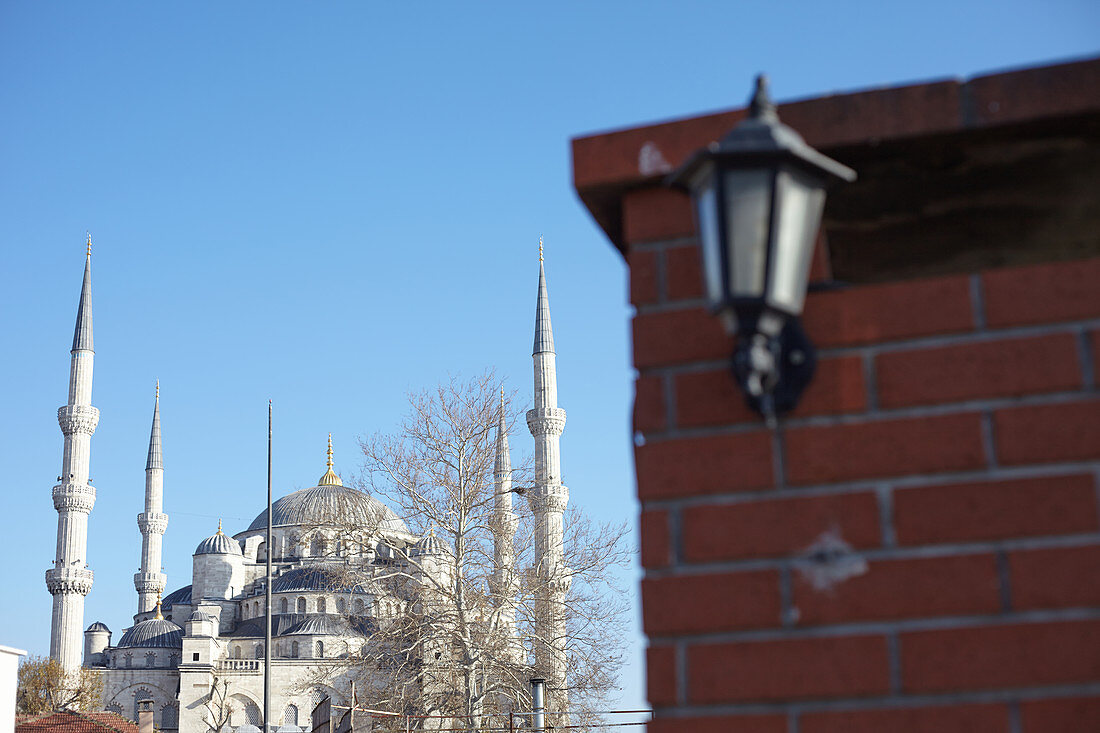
{"type": "Point", "coordinates": [758, 195]}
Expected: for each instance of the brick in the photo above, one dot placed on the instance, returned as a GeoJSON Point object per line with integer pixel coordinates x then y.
{"type": "Point", "coordinates": [643, 276]}
{"type": "Point", "coordinates": [650, 413]}
{"type": "Point", "coordinates": [656, 546]}
{"type": "Point", "coordinates": [1058, 577]}
{"type": "Point", "coordinates": [1046, 433]}
{"type": "Point", "coordinates": [1094, 347]}
{"type": "Point", "coordinates": [911, 588]}
{"type": "Point", "coordinates": [787, 669]}
{"type": "Point", "coordinates": [660, 678]}
{"type": "Point", "coordinates": [683, 272]}
{"type": "Point", "coordinates": [995, 510]}
{"type": "Point", "coordinates": [695, 604]}
{"type": "Point", "coordinates": [1057, 291]}
{"type": "Point", "coordinates": [777, 527]}
{"type": "Point", "coordinates": [1016, 655]}
{"type": "Point", "coordinates": [719, 724]}
{"type": "Point", "coordinates": [1069, 714]}
{"type": "Point", "coordinates": [656, 213]}
{"type": "Point", "coordinates": [707, 465]}
{"type": "Point", "coordinates": [821, 268]}
{"type": "Point", "coordinates": [713, 397]}
{"type": "Point", "coordinates": [676, 337]}
{"type": "Point", "coordinates": [1007, 368]}
{"type": "Point", "coordinates": [887, 312]}
{"type": "Point", "coordinates": [1026, 94]}
{"type": "Point", "coordinates": [884, 448]}
{"type": "Point", "coordinates": [988, 718]}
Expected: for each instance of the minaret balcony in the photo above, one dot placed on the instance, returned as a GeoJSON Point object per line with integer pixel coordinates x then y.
{"type": "Point", "coordinates": [77, 419]}
{"type": "Point", "coordinates": [73, 497]}
{"type": "Point", "coordinates": [152, 523]}
{"type": "Point", "coordinates": [546, 421]}
{"type": "Point", "coordinates": [150, 582]}
{"type": "Point", "coordinates": [69, 580]}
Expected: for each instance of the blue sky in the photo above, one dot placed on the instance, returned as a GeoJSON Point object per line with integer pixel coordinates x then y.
{"type": "Point", "coordinates": [331, 204]}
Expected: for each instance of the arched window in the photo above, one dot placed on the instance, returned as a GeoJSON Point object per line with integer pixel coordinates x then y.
{"type": "Point", "coordinates": [294, 650]}
{"type": "Point", "coordinates": [316, 546]}
{"type": "Point", "coordinates": [320, 650]}
{"type": "Point", "coordinates": [259, 651]}
{"type": "Point", "coordinates": [282, 606]}
{"type": "Point", "coordinates": [169, 717]}
{"type": "Point", "coordinates": [150, 660]}
{"type": "Point", "coordinates": [359, 606]}
{"type": "Point", "coordinates": [235, 653]}
{"type": "Point", "coordinates": [252, 714]}
{"type": "Point", "coordinates": [320, 605]}
{"type": "Point", "coordinates": [256, 608]}
{"type": "Point", "coordinates": [301, 605]}
{"type": "Point", "coordinates": [261, 551]}
{"type": "Point", "coordinates": [290, 715]}
{"type": "Point", "coordinates": [114, 708]}
{"type": "Point", "coordinates": [173, 660]}
{"type": "Point", "coordinates": [340, 605]}
{"type": "Point", "coordinates": [129, 663]}
{"type": "Point", "coordinates": [141, 694]}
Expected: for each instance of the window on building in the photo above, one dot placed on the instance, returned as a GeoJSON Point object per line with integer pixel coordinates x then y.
{"type": "Point", "coordinates": [169, 717]}
{"type": "Point", "coordinates": [114, 708]}
{"type": "Point", "coordinates": [129, 663]}
{"type": "Point", "coordinates": [194, 656]}
{"type": "Point", "coordinates": [283, 606]}
{"type": "Point", "coordinates": [301, 605]}
{"type": "Point", "coordinates": [259, 651]}
{"type": "Point", "coordinates": [252, 714]}
{"type": "Point", "coordinates": [150, 660]}
{"type": "Point", "coordinates": [235, 653]}
{"type": "Point", "coordinates": [320, 650]}
{"type": "Point", "coordinates": [316, 546]}
{"type": "Point", "coordinates": [340, 605]}
{"type": "Point", "coordinates": [359, 606]}
{"type": "Point", "coordinates": [320, 605]}
{"type": "Point", "coordinates": [256, 608]}
{"type": "Point", "coordinates": [294, 650]}
{"type": "Point", "coordinates": [290, 715]}
{"type": "Point", "coordinates": [141, 694]}
{"type": "Point", "coordinates": [261, 552]}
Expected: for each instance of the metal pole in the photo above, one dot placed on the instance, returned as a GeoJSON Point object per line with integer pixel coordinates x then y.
{"type": "Point", "coordinates": [267, 588]}
{"type": "Point", "coordinates": [538, 710]}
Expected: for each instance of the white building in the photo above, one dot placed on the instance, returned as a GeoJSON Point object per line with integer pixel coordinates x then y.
{"type": "Point", "coordinates": [215, 626]}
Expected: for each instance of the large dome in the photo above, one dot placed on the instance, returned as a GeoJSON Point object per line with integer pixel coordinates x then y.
{"type": "Point", "coordinates": [326, 504]}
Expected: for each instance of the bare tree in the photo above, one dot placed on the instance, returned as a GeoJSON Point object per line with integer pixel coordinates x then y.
{"type": "Point", "coordinates": [44, 686]}
{"type": "Point", "coordinates": [447, 635]}
{"type": "Point", "coordinates": [218, 705]}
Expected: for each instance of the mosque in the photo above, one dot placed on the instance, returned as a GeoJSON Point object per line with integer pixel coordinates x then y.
{"type": "Point", "coordinates": [214, 627]}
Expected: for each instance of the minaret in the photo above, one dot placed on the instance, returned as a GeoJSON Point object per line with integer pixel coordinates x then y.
{"type": "Point", "coordinates": [150, 581]}
{"type": "Point", "coordinates": [69, 580]}
{"type": "Point", "coordinates": [505, 581]}
{"type": "Point", "coordinates": [548, 498]}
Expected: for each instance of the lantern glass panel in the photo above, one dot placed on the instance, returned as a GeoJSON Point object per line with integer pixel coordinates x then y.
{"type": "Point", "coordinates": [706, 228]}
{"type": "Point", "coordinates": [747, 200]}
{"type": "Point", "coordinates": [799, 199]}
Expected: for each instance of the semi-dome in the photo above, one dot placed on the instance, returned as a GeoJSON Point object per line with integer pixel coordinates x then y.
{"type": "Point", "coordinates": [218, 544]}
{"type": "Point", "coordinates": [330, 502]}
{"type": "Point", "coordinates": [305, 579]}
{"type": "Point", "coordinates": [319, 625]}
{"type": "Point", "coordinates": [180, 595]}
{"type": "Point", "coordinates": [154, 633]}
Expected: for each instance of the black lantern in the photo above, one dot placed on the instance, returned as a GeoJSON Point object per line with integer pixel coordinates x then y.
{"type": "Point", "coordinates": [758, 196]}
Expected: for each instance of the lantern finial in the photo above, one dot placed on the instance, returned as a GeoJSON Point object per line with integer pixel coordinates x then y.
{"type": "Point", "coordinates": [762, 106]}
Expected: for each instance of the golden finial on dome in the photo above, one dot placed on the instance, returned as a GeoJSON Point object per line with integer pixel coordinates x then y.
{"type": "Point", "coordinates": [159, 614]}
{"type": "Point", "coordinates": [219, 525]}
{"type": "Point", "coordinates": [330, 478]}
{"type": "Point", "coordinates": [540, 248]}
{"type": "Point", "coordinates": [89, 243]}
{"type": "Point", "coordinates": [158, 389]}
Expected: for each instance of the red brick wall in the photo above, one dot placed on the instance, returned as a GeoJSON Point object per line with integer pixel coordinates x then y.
{"type": "Point", "coordinates": [945, 464]}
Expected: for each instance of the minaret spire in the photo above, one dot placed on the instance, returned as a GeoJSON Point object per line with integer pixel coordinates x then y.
{"type": "Point", "coordinates": [505, 581]}
{"type": "Point", "coordinates": [70, 580]}
{"type": "Point", "coordinates": [548, 499]}
{"type": "Point", "coordinates": [149, 581]}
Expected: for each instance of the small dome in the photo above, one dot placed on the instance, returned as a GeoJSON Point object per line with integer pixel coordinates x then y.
{"type": "Point", "coordinates": [218, 544]}
{"type": "Point", "coordinates": [98, 626]}
{"type": "Point", "coordinates": [200, 616]}
{"type": "Point", "coordinates": [154, 633]}
{"type": "Point", "coordinates": [429, 544]}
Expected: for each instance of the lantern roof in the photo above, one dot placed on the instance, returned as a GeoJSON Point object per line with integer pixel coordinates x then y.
{"type": "Point", "coordinates": [761, 138]}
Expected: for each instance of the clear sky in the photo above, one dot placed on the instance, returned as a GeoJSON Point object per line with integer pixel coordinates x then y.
{"type": "Point", "coordinates": [331, 204]}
